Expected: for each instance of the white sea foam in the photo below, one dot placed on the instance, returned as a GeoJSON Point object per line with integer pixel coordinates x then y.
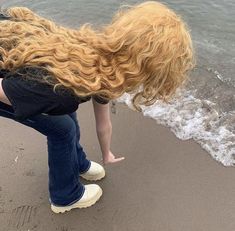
{"type": "Point", "coordinates": [189, 117]}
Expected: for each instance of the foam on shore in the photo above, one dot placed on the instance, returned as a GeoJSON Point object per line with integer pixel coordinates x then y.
{"type": "Point", "coordinates": [192, 118]}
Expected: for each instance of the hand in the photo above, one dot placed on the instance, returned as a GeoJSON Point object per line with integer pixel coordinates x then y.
{"type": "Point", "coordinates": [110, 158]}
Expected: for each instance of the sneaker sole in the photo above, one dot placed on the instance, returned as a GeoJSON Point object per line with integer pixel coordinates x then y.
{"type": "Point", "coordinates": [77, 205]}
{"type": "Point", "coordinates": [93, 178]}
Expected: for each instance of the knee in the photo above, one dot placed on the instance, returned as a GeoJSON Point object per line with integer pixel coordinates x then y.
{"type": "Point", "coordinates": [65, 129]}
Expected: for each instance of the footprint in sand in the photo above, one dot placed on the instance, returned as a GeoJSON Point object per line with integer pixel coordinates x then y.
{"type": "Point", "coordinates": [23, 216]}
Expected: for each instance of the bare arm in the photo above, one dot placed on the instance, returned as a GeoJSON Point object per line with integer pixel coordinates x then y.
{"type": "Point", "coordinates": [3, 97]}
{"type": "Point", "coordinates": [104, 131]}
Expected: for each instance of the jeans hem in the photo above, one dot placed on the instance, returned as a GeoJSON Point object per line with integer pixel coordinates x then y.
{"type": "Point", "coordinates": [73, 202]}
{"type": "Point", "coordinates": [89, 165]}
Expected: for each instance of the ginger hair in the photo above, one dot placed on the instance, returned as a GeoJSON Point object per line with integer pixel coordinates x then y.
{"type": "Point", "coordinates": [145, 50]}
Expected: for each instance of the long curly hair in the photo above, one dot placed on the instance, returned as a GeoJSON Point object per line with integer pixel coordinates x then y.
{"type": "Point", "coordinates": [145, 50]}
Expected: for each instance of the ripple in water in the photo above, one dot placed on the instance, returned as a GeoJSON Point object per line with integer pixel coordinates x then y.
{"type": "Point", "coordinates": [198, 119]}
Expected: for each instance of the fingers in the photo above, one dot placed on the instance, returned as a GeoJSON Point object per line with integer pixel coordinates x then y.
{"type": "Point", "coordinates": [113, 160]}
{"type": "Point", "coordinates": [118, 159]}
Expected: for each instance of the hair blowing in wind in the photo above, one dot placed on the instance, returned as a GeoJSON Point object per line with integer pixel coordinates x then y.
{"type": "Point", "coordinates": [145, 50]}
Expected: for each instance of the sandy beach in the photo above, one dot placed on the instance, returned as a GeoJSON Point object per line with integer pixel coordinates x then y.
{"type": "Point", "coordinates": [164, 184]}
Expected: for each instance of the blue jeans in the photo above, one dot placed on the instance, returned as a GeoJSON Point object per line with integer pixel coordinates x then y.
{"type": "Point", "coordinates": [66, 158]}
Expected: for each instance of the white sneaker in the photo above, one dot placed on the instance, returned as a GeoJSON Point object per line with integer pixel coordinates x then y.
{"type": "Point", "coordinates": [91, 195]}
{"type": "Point", "coordinates": [95, 172]}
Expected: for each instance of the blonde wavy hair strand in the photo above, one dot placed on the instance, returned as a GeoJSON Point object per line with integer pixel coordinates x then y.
{"type": "Point", "coordinates": [146, 50]}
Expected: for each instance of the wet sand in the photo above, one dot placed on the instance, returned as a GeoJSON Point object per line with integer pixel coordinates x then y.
{"type": "Point", "coordinates": [164, 184]}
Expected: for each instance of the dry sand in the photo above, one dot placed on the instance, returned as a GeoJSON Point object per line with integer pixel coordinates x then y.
{"type": "Point", "coordinates": [164, 184]}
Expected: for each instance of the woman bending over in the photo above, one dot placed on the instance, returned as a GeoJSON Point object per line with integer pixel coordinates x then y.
{"type": "Point", "coordinates": [47, 70]}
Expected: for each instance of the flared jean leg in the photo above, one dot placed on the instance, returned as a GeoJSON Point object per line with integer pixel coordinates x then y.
{"type": "Point", "coordinates": [63, 158]}
{"type": "Point", "coordinates": [84, 163]}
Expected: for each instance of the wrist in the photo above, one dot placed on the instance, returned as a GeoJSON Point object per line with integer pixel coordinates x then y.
{"type": "Point", "coordinates": [105, 154]}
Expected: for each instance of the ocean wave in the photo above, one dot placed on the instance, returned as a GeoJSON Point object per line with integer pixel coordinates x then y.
{"type": "Point", "coordinates": [198, 119]}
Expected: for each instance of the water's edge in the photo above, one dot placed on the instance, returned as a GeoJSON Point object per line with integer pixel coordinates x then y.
{"type": "Point", "coordinates": [192, 118]}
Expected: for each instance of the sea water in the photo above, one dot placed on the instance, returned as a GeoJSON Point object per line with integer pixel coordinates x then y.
{"type": "Point", "coordinates": [205, 109]}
